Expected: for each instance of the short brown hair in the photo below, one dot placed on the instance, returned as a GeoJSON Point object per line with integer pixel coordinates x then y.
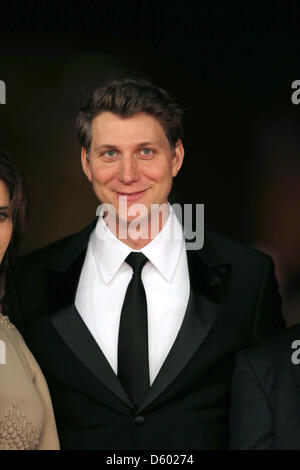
{"type": "Point", "coordinates": [125, 98]}
{"type": "Point", "coordinates": [18, 192]}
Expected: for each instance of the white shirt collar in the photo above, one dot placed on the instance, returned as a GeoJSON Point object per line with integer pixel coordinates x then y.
{"type": "Point", "coordinates": [163, 251]}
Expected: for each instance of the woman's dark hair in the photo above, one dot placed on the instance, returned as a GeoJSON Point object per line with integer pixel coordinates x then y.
{"type": "Point", "coordinates": [125, 98]}
{"type": "Point", "coordinates": [18, 206]}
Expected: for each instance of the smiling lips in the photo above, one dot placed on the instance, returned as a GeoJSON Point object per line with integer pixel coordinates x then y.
{"type": "Point", "coordinates": [131, 196]}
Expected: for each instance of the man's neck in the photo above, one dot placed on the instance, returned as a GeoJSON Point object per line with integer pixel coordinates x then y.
{"type": "Point", "coordinates": [137, 234]}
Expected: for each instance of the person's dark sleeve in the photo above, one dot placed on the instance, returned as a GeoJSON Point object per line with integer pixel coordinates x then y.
{"type": "Point", "coordinates": [251, 421]}
{"type": "Point", "coordinates": [268, 318]}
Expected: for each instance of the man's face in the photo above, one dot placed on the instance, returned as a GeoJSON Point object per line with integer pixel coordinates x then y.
{"type": "Point", "coordinates": [130, 158]}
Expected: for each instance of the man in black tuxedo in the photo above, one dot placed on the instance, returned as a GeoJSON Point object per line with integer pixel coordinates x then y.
{"type": "Point", "coordinates": [137, 335]}
{"type": "Point", "coordinates": [266, 395]}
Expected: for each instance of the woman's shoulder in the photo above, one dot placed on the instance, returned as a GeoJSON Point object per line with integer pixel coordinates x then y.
{"type": "Point", "coordinates": [13, 349]}
{"type": "Point", "coordinates": [6, 323]}
{"type": "Point", "coordinates": [9, 333]}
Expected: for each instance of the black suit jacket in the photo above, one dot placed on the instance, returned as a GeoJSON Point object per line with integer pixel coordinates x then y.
{"type": "Point", "coordinates": [233, 302]}
{"type": "Point", "coordinates": [266, 395]}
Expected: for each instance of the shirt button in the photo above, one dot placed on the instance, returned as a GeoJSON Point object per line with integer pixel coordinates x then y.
{"type": "Point", "coordinates": [139, 419]}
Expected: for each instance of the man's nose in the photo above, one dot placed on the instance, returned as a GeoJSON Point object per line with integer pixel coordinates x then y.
{"type": "Point", "coordinates": [128, 169]}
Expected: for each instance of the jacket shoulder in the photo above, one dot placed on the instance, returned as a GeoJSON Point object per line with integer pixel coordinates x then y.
{"type": "Point", "coordinates": [271, 358]}
{"type": "Point", "coordinates": [48, 256]}
{"type": "Point", "coordinates": [263, 355]}
{"type": "Point", "coordinates": [241, 254]}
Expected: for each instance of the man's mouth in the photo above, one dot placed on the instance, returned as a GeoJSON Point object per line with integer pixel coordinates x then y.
{"type": "Point", "coordinates": [131, 195]}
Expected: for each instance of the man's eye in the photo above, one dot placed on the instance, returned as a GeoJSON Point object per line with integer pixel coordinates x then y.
{"type": "Point", "coordinates": [3, 216]}
{"type": "Point", "coordinates": [110, 153]}
{"type": "Point", "coordinates": [147, 151]}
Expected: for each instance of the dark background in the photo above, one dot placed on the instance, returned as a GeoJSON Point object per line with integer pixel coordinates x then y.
{"type": "Point", "coordinates": [230, 64]}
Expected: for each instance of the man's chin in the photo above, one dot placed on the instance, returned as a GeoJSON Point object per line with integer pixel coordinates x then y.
{"type": "Point", "coordinates": [127, 219]}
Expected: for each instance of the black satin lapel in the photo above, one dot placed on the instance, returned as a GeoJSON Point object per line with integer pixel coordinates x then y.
{"type": "Point", "coordinates": [199, 317]}
{"type": "Point", "coordinates": [77, 336]}
{"type": "Point", "coordinates": [207, 289]}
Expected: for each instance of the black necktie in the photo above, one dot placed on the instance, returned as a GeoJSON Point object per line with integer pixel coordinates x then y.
{"type": "Point", "coordinates": [133, 362]}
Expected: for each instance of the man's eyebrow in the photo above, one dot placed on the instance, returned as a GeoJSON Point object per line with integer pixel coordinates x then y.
{"type": "Point", "coordinates": [110, 146]}
{"type": "Point", "coordinates": [105, 146]}
{"type": "Point", "coordinates": [3, 207]}
{"type": "Point", "coordinates": [144, 144]}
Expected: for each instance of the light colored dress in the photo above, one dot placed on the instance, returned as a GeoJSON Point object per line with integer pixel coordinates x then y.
{"type": "Point", "coordinates": [26, 413]}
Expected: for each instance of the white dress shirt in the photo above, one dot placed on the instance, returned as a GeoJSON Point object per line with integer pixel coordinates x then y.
{"type": "Point", "coordinates": [104, 280]}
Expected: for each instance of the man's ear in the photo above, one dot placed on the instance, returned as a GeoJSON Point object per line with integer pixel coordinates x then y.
{"type": "Point", "coordinates": [177, 158]}
{"type": "Point", "coordinates": [85, 162]}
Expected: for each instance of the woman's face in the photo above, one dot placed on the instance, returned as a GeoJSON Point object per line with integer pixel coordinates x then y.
{"type": "Point", "coordinates": [5, 219]}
